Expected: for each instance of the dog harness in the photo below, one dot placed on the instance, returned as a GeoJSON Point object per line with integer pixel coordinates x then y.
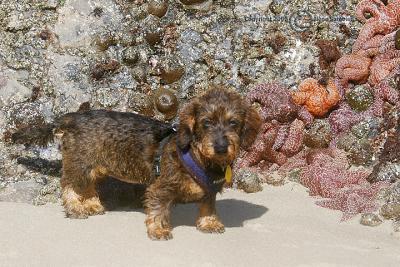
{"type": "Point", "coordinates": [157, 156]}
{"type": "Point", "coordinates": [200, 175]}
{"type": "Point", "coordinates": [210, 185]}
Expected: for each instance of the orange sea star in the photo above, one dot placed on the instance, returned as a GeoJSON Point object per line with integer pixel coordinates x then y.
{"type": "Point", "coordinates": [317, 99]}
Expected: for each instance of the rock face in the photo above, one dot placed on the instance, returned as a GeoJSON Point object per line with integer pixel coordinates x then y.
{"type": "Point", "coordinates": [23, 191]}
{"type": "Point", "coordinates": [61, 56]}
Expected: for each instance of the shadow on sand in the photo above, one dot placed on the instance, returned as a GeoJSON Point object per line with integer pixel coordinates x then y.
{"type": "Point", "coordinates": [119, 196]}
{"type": "Point", "coordinates": [233, 213]}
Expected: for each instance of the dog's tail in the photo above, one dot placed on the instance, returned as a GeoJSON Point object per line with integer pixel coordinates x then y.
{"type": "Point", "coordinates": [39, 135]}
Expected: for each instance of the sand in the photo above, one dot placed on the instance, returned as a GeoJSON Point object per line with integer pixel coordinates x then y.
{"type": "Point", "coordinates": [280, 226]}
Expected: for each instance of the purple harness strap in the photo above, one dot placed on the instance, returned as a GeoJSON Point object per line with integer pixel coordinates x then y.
{"type": "Point", "coordinates": [199, 174]}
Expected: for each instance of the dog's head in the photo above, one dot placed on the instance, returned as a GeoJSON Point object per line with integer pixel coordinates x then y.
{"type": "Point", "coordinates": [217, 124]}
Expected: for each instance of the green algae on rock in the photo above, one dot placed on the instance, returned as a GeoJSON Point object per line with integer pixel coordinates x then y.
{"type": "Point", "coordinates": [397, 40]}
{"type": "Point", "coordinates": [318, 135]}
{"type": "Point", "coordinates": [360, 98]}
{"type": "Point", "coordinates": [276, 6]}
{"type": "Point", "coordinates": [390, 210]}
{"type": "Point", "coordinates": [359, 150]}
{"type": "Point", "coordinates": [370, 219]}
{"type": "Point", "coordinates": [130, 55]}
{"type": "Point", "coordinates": [368, 128]}
{"type": "Point", "coordinates": [247, 180]}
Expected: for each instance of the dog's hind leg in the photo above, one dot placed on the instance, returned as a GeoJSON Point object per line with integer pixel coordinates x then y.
{"type": "Point", "coordinates": [79, 195]}
{"type": "Point", "coordinates": [72, 202]}
{"type": "Point", "coordinates": [92, 204]}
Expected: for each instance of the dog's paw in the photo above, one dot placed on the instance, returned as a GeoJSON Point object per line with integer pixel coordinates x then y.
{"type": "Point", "coordinates": [159, 233]}
{"type": "Point", "coordinates": [75, 211]}
{"type": "Point", "coordinates": [76, 215]}
{"type": "Point", "coordinates": [96, 211]}
{"type": "Point", "coordinates": [210, 224]}
{"type": "Point", "coordinates": [94, 207]}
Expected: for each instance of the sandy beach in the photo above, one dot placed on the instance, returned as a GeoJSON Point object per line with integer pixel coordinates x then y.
{"type": "Point", "coordinates": [280, 226]}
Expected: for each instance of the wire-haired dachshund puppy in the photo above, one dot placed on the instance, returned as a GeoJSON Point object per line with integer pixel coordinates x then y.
{"type": "Point", "coordinates": [187, 165]}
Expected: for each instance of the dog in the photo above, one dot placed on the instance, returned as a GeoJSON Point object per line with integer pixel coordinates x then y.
{"type": "Point", "coordinates": [188, 164]}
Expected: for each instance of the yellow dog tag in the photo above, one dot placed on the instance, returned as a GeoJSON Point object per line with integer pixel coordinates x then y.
{"type": "Point", "coordinates": [228, 174]}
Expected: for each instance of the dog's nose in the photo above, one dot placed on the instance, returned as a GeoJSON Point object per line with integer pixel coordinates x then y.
{"type": "Point", "coordinates": [221, 145]}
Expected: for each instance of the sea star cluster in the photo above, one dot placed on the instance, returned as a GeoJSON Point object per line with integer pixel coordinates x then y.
{"type": "Point", "coordinates": [385, 18]}
{"type": "Point", "coordinates": [342, 118]}
{"type": "Point", "coordinates": [374, 54]}
{"type": "Point", "coordinates": [326, 175]}
{"type": "Point", "coordinates": [373, 62]}
{"type": "Point", "coordinates": [317, 99]}
{"type": "Point", "coordinates": [276, 103]}
{"type": "Point", "coordinates": [360, 69]}
{"type": "Point", "coordinates": [365, 81]}
{"type": "Point", "coordinates": [282, 131]}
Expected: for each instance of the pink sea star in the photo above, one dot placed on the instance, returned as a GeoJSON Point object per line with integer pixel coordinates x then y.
{"type": "Point", "coordinates": [326, 175]}
{"type": "Point", "coordinates": [383, 65]}
{"type": "Point", "coordinates": [283, 129]}
{"type": "Point", "coordinates": [294, 140]}
{"type": "Point", "coordinates": [262, 148]}
{"type": "Point", "coordinates": [277, 104]}
{"type": "Point", "coordinates": [352, 68]}
{"type": "Point", "coordinates": [384, 20]}
{"type": "Point", "coordinates": [343, 118]}
{"type": "Point", "coordinates": [374, 55]}
{"type": "Point", "coordinates": [353, 200]}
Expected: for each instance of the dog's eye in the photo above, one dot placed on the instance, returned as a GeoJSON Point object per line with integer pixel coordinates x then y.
{"type": "Point", "coordinates": [233, 123]}
{"type": "Point", "coordinates": [206, 123]}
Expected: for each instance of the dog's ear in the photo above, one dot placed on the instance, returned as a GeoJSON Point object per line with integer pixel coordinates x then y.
{"type": "Point", "coordinates": [252, 125]}
{"type": "Point", "coordinates": [187, 120]}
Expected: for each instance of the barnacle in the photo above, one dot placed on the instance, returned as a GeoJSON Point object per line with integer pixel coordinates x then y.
{"type": "Point", "coordinates": [157, 7]}
{"type": "Point", "coordinates": [166, 102]}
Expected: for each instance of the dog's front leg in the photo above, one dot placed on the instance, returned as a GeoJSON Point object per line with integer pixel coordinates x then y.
{"type": "Point", "coordinates": [208, 221]}
{"type": "Point", "coordinates": [158, 200]}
